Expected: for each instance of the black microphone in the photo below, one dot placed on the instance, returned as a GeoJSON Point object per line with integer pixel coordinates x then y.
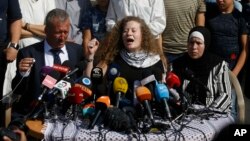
{"type": "Point", "coordinates": [131, 112]}
{"type": "Point", "coordinates": [189, 74]}
{"type": "Point", "coordinates": [68, 70]}
{"type": "Point", "coordinates": [117, 120]}
{"type": "Point", "coordinates": [78, 68]}
{"type": "Point", "coordinates": [96, 77]}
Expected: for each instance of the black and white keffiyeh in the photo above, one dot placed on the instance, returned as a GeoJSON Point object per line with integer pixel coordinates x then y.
{"type": "Point", "coordinates": [139, 59]}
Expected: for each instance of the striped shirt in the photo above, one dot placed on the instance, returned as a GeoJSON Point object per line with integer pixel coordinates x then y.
{"type": "Point", "coordinates": [180, 15]}
{"type": "Point", "coordinates": [219, 85]}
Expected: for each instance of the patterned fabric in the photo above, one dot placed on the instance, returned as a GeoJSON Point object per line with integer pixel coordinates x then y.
{"type": "Point", "coordinates": [192, 128]}
{"type": "Point", "coordinates": [139, 59]}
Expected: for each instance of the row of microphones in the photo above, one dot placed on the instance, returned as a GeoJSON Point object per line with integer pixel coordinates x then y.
{"type": "Point", "coordinates": [76, 95]}
{"type": "Point", "coordinates": [55, 84]}
{"type": "Point", "coordinates": [49, 82]}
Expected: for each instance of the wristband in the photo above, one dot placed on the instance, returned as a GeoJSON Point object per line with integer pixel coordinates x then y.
{"type": "Point", "coordinates": [13, 45]}
{"type": "Point", "coordinates": [89, 60]}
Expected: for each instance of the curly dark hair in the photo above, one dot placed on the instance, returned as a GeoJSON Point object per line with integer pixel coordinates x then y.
{"type": "Point", "coordinates": [114, 43]}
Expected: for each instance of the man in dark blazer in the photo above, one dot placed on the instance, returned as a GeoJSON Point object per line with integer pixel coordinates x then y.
{"type": "Point", "coordinates": [29, 71]}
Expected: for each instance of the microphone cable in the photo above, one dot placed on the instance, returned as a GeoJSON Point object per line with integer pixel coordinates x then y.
{"type": "Point", "coordinates": [198, 130]}
{"type": "Point", "coordinates": [12, 92]}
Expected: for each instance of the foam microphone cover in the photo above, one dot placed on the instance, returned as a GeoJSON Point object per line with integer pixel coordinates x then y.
{"type": "Point", "coordinates": [161, 92]}
{"type": "Point", "coordinates": [113, 71]}
{"type": "Point", "coordinates": [116, 120]}
{"type": "Point", "coordinates": [131, 112]}
{"type": "Point", "coordinates": [61, 68]}
{"type": "Point", "coordinates": [88, 110]}
{"type": "Point", "coordinates": [84, 80]}
{"type": "Point", "coordinates": [96, 75]}
{"type": "Point", "coordinates": [46, 70]}
{"type": "Point", "coordinates": [75, 95]}
{"type": "Point", "coordinates": [50, 79]}
{"type": "Point", "coordinates": [102, 102]}
{"type": "Point", "coordinates": [143, 93]}
{"type": "Point", "coordinates": [172, 80]}
{"type": "Point", "coordinates": [120, 85]}
{"type": "Point", "coordinates": [49, 82]}
{"type": "Point", "coordinates": [85, 90]}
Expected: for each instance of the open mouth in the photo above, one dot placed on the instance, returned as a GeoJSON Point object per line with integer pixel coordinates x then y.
{"type": "Point", "coordinates": [130, 40]}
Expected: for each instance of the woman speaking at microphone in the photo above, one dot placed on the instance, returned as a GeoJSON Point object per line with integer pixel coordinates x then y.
{"type": "Point", "coordinates": [131, 47]}
{"type": "Point", "coordinates": [205, 77]}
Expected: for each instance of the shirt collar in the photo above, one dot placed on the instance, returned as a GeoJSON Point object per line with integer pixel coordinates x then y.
{"type": "Point", "coordinates": [47, 47]}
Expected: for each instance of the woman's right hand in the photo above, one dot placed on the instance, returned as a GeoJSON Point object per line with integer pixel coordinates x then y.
{"type": "Point", "coordinates": [92, 48]}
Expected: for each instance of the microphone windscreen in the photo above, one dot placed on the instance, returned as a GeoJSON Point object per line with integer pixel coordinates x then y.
{"type": "Point", "coordinates": [143, 93]}
{"type": "Point", "coordinates": [51, 79]}
{"type": "Point", "coordinates": [85, 90]}
{"type": "Point", "coordinates": [63, 86]}
{"type": "Point", "coordinates": [46, 70]}
{"type": "Point", "coordinates": [161, 92]}
{"type": "Point", "coordinates": [172, 80]}
{"type": "Point", "coordinates": [75, 95]}
{"type": "Point", "coordinates": [116, 120]}
{"type": "Point", "coordinates": [85, 80]}
{"type": "Point", "coordinates": [60, 68]}
{"type": "Point", "coordinates": [120, 85]}
{"type": "Point", "coordinates": [66, 63]}
{"type": "Point", "coordinates": [96, 75]}
{"type": "Point", "coordinates": [113, 71]}
{"type": "Point", "coordinates": [102, 102]}
{"type": "Point", "coordinates": [88, 110]}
